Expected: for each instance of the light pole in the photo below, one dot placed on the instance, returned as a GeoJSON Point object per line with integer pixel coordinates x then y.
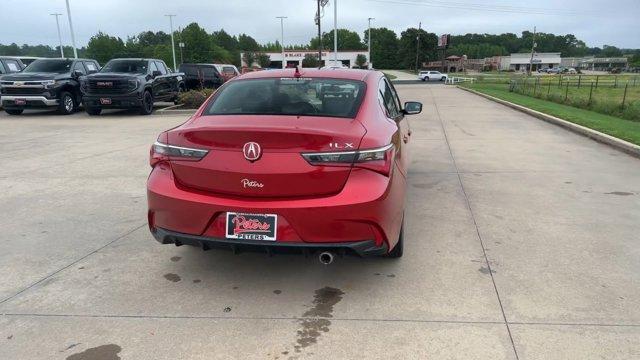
{"type": "Point", "coordinates": [369, 47]}
{"type": "Point", "coordinates": [173, 45]}
{"type": "Point", "coordinates": [73, 37]}
{"type": "Point", "coordinates": [59, 35]}
{"type": "Point", "coordinates": [335, 32]}
{"type": "Point", "coordinates": [533, 49]}
{"type": "Point", "coordinates": [418, 44]}
{"type": "Point", "coordinates": [281, 38]}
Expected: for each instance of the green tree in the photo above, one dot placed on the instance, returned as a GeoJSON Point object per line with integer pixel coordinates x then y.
{"type": "Point", "coordinates": [361, 60]}
{"type": "Point", "coordinates": [347, 40]}
{"type": "Point", "coordinates": [310, 61]}
{"type": "Point", "coordinates": [407, 49]}
{"type": "Point", "coordinates": [249, 58]}
{"type": "Point", "coordinates": [103, 47]}
{"type": "Point", "coordinates": [263, 60]}
{"type": "Point", "coordinates": [384, 48]}
{"type": "Point", "coordinates": [247, 43]}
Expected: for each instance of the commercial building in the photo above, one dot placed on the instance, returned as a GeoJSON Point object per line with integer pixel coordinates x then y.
{"type": "Point", "coordinates": [522, 61]}
{"type": "Point", "coordinates": [294, 58]}
{"type": "Point", "coordinates": [603, 64]}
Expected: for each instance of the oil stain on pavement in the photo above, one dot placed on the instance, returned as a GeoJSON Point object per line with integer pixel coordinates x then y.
{"type": "Point", "coordinates": [619, 193]}
{"type": "Point", "coordinates": [104, 352]}
{"type": "Point", "coordinates": [172, 277]}
{"type": "Point", "coordinates": [315, 320]}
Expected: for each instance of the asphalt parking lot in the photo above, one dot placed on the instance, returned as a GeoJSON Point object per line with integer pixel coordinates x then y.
{"type": "Point", "coordinates": [522, 242]}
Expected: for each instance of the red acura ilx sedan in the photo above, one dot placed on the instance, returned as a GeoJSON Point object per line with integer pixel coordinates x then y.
{"type": "Point", "coordinates": [310, 161]}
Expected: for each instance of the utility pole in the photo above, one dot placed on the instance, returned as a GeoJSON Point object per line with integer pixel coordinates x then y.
{"type": "Point", "coordinates": [173, 45]}
{"type": "Point", "coordinates": [369, 45]}
{"type": "Point", "coordinates": [533, 48]}
{"type": "Point", "coordinates": [335, 32]}
{"type": "Point", "coordinates": [418, 44]}
{"type": "Point", "coordinates": [73, 37]}
{"type": "Point", "coordinates": [319, 36]}
{"type": "Point", "coordinates": [59, 35]}
{"type": "Point", "coordinates": [282, 38]}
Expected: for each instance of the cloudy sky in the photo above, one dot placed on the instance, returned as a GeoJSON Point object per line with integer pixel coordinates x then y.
{"type": "Point", "coordinates": [596, 22]}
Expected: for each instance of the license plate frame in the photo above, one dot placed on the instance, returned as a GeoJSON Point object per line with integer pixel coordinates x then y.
{"type": "Point", "coordinates": [20, 102]}
{"type": "Point", "coordinates": [105, 101]}
{"type": "Point", "coordinates": [250, 226]}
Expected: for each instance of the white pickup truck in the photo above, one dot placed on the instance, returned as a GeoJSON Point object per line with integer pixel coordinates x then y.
{"type": "Point", "coordinates": [432, 76]}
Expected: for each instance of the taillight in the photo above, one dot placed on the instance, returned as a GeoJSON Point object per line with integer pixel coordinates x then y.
{"type": "Point", "coordinates": [163, 152]}
{"type": "Point", "coordinates": [378, 160]}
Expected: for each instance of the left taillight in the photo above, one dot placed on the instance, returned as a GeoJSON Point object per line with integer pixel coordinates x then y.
{"type": "Point", "coordinates": [164, 152]}
{"type": "Point", "coordinates": [379, 160]}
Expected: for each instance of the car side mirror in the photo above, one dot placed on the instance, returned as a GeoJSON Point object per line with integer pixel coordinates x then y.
{"type": "Point", "coordinates": [412, 107]}
{"type": "Point", "coordinates": [76, 73]}
{"type": "Point", "coordinates": [156, 73]}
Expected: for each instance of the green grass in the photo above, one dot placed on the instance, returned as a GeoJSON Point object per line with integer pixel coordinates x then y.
{"type": "Point", "coordinates": [389, 76]}
{"type": "Point", "coordinates": [614, 126]}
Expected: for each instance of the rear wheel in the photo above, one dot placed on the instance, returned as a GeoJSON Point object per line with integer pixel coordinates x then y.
{"type": "Point", "coordinates": [67, 104]}
{"type": "Point", "coordinates": [147, 103]}
{"type": "Point", "coordinates": [93, 110]}
{"type": "Point", "coordinates": [397, 250]}
{"type": "Point", "coordinates": [443, 78]}
{"type": "Point", "coordinates": [14, 111]}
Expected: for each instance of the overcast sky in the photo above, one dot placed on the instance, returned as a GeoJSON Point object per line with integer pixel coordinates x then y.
{"type": "Point", "coordinates": [596, 22]}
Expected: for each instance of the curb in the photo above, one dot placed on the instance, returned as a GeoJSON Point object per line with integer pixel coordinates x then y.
{"type": "Point", "coordinates": [622, 145]}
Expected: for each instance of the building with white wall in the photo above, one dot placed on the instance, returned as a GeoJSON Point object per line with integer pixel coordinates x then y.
{"type": "Point", "coordinates": [294, 58]}
{"type": "Point", "coordinates": [521, 61]}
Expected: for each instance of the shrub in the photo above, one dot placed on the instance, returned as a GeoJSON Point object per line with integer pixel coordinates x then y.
{"type": "Point", "coordinates": [195, 98]}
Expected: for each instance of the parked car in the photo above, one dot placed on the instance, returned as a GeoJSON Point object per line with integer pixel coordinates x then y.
{"type": "Point", "coordinates": [553, 70]}
{"type": "Point", "coordinates": [227, 71]}
{"type": "Point", "coordinates": [130, 84]}
{"type": "Point", "coordinates": [432, 76]}
{"type": "Point", "coordinates": [271, 164]}
{"type": "Point", "coordinates": [10, 65]}
{"type": "Point", "coordinates": [197, 76]}
{"type": "Point", "coordinates": [46, 83]}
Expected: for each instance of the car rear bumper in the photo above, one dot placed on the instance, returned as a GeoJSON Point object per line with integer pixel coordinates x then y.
{"type": "Point", "coordinates": [368, 209]}
{"type": "Point", "coordinates": [8, 101]}
{"type": "Point", "coordinates": [363, 248]}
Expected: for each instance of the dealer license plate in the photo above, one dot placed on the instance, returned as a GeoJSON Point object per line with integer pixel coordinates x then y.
{"type": "Point", "coordinates": [251, 226]}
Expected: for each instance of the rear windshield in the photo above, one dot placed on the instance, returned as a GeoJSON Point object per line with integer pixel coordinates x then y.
{"type": "Point", "coordinates": [289, 96]}
{"type": "Point", "coordinates": [126, 66]}
{"type": "Point", "coordinates": [49, 66]}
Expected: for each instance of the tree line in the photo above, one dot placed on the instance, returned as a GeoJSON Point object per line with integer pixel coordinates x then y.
{"type": "Point", "coordinates": [388, 50]}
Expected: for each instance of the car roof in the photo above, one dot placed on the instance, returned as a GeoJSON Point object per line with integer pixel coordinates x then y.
{"type": "Point", "coordinates": [348, 74]}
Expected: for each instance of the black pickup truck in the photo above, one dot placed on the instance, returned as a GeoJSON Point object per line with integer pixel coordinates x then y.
{"type": "Point", "coordinates": [130, 84]}
{"type": "Point", "coordinates": [198, 76]}
{"type": "Point", "coordinates": [46, 83]}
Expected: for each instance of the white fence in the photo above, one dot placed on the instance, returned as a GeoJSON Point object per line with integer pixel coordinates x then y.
{"type": "Point", "coordinates": [456, 80]}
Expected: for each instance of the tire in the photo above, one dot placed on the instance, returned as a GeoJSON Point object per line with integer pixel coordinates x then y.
{"type": "Point", "coordinates": [67, 104]}
{"type": "Point", "coordinates": [423, 79]}
{"type": "Point", "coordinates": [93, 111]}
{"type": "Point", "coordinates": [14, 111]}
{"type": "Point", "coordinates": [444, 78]}
{"type": "Point", "coordinates": [426, 78]}
{"type": "Point", "coordinates": [147, 103]}
{"type": "Point", "coordinates": [397, 250]}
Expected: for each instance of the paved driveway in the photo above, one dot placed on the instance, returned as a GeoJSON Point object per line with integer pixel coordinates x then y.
{"type": "Point", "coordinates": [522, 242]}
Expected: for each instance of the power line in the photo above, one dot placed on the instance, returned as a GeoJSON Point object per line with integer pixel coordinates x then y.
{"type": "Point", "coordinates": [480, 7]}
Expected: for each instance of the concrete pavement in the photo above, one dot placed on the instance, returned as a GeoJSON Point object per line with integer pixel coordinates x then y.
{"type": "Point", "coordinates": [521, 243]}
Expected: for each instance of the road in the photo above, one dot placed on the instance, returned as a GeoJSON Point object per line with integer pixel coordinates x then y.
{"type": "Point", "coordinates": [521, 243]}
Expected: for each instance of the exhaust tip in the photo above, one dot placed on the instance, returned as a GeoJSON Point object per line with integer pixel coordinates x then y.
{"type": "Point", "coordinates": [326, 257]}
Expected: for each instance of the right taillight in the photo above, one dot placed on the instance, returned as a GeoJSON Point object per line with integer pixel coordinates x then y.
{"type": "Point", "coordinates": [379, 160]}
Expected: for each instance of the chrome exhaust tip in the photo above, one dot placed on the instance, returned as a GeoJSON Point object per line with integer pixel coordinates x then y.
{"type": "Point", "coordinates": [326, 257]}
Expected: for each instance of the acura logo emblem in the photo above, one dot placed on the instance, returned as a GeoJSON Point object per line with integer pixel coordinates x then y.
{"type": "Point", "coordinates": [252, 151]}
